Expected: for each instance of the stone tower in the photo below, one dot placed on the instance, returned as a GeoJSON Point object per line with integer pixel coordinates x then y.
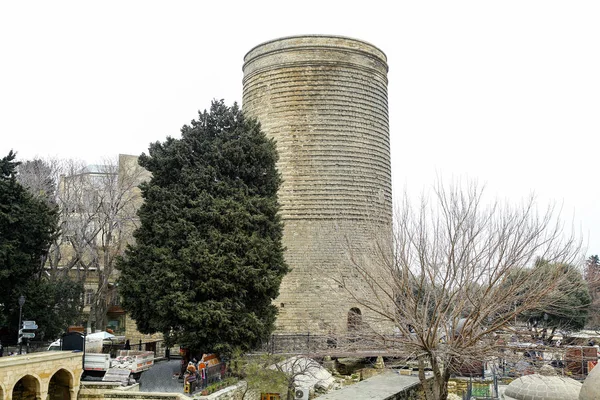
{"type": "Point", "coordinates": [324, 100]}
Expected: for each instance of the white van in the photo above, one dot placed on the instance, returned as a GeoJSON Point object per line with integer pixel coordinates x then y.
{"type": "Point", "coordinates": [54, 345]}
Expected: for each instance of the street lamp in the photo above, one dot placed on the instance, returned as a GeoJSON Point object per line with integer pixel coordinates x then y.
{"type": "Point", "coordinates": [21, 302]}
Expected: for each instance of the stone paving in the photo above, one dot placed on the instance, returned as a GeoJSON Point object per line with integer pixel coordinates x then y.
{"type": "Point", "coordinates": [380, 387]}
{"type": "Point", "coordinates": [159, 378]}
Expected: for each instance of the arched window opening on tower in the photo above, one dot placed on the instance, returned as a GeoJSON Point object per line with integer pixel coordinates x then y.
{"type": "Point", "coordinates": [354, 319]}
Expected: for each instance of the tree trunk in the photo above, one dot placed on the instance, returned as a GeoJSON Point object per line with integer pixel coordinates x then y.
{"type": "Point", "coordinates": [100, 309]}
{"type": "Point", "coordinates": [427, 389]}
{"type": "Point", "coordinates": [551, 336]}
{"type": "Point", "coordinates": [441, 374]}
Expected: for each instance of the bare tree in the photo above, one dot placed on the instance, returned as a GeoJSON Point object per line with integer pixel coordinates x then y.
{"type": "Point", "coordinates": [39, 177]}
{"type": "Point", "coordinates": [63, 183]}
{"type": "Point", "coordinates": [65, 257]}
{"type": "Point", "coordinates": [97, 206]}
{"type": "Point", "coordinates": [459, 270]}
{"type": "Point", "coordinates": [104, 221]}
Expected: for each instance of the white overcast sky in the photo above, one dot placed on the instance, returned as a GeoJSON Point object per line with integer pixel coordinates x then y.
{"type": "Point", "coordinates": [505, 92]}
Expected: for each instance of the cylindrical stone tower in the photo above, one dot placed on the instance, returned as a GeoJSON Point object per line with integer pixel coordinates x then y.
{"type": "Point", "coordinates": [324, 100]}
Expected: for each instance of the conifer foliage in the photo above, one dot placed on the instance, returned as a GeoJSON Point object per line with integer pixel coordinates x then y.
{"type": "Point", "coordinates": [208, 258]}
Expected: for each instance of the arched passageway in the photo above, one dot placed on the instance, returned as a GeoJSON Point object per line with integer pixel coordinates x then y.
{"type": "Point", "coordinates": [27, 388]}
{"type": "Point", "coordinates": [60, 386]}
{"type": "Point", "coordinates": [45, 375]}
{"type": "Point", "coordinates": [354, 319]}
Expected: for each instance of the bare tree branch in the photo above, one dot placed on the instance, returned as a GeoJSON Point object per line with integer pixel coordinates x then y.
{"type": "Point", "coordinates": [460, 270]}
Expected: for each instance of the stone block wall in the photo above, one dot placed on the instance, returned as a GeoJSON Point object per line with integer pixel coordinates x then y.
{"type": "Point", "coordinates": [317, 295]}
{"type": "Point", "coordinates": [97, 390]}
{"type": "Point", "coordinates": [135, 336]}
{"type": "Point", "coordinates": [234, 392]}
{"type": "Point", "coordinates": [126, 395]}
{"type": "Point", "coordinates": [324, 100]}
{"type": "Point", "coordinates": [39, 372]}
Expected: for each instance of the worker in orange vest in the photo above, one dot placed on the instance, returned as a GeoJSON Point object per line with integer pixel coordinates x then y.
{"type": "Point", "coordinates": [202, 371]}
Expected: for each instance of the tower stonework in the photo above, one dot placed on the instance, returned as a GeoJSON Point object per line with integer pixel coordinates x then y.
{"type": "Point", "coordinates": [324, 100]}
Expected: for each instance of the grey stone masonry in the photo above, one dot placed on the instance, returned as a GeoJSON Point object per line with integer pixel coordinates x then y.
{"type": "Point", "coordinates": [324, 100]}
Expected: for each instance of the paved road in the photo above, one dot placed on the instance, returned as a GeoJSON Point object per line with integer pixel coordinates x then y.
{"type": "Point", "coordinates": [159, 378]}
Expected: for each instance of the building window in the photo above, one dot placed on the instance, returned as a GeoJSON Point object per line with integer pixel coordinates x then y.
{"type": "Point", "coordinates": [116, 323]}
{"type": "Point", "coordinates": [115, 299]}
{"type": "Point", "coordinates": [89, 297]}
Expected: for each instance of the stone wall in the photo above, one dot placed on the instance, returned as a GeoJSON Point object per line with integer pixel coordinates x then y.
{"type": "Point", "coordinates": [121, 395]}
{"type": "Point", "coordinates": [135, 336]}
{"type": "Point", "coordinates": [324, 100]}
{"type": "Point", "coordinates": [230, 393]}
{"type": "Point", "coordinates": [97, 390]}
{"type": "Point", "coordinates": [37, 374]}
{"type": "Point", "coordinates": [235, 392]}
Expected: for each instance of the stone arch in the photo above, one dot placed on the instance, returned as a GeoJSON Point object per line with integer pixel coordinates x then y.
{"type": "Point", "coordinates": [354, 319]}
{"type": "Point", "coordinates": [27, 388]}
{"type": "Point", "coordinates": [2, 391]}
{"type": "Point", "coordinates": [60, 385]}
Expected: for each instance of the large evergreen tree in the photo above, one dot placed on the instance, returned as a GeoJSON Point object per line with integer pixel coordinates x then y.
{"type": "Point", "coordinates": [567, 309]}
{"type": "Point", "coordinates": [208, 258]}
{"type": "Point", "coordinates": [27, 228]}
